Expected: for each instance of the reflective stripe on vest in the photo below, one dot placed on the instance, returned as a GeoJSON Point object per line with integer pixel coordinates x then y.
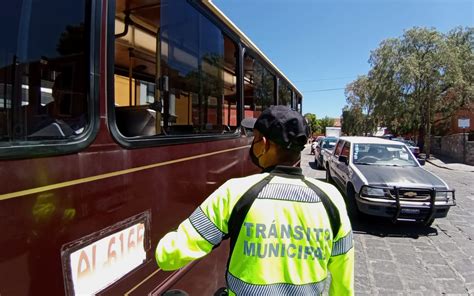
{"type": "Point", "coordinates": [289, 192]}
{"type": "Point", "coordinates": [205, 227]}
{"type": "Point", "coordinates": [240, 287]}
{"type": "Point", "coordinates": [343, 245]}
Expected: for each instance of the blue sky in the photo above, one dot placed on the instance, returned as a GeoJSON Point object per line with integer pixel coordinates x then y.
{"type": "Point", "coordinates": [325, 44]}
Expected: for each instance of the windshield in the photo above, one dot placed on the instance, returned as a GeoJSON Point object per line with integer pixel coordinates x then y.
{"type": "Point", "coordinates": [382, 154]}
{"type": "Point", "coordinates": [329, 143]}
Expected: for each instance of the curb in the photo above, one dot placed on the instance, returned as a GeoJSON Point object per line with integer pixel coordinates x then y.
{"type": "Point", "coordinates": [445, 167]}
{"type": "Point", "coordinates": [439, 166]}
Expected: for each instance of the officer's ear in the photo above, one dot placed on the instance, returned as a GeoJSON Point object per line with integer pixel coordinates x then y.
{"type": "Point", "coordinates": [266, 143]}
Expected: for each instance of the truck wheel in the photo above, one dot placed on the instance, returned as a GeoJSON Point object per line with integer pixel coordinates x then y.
{"type": "Point", "coordinates": [429, 222]}
{"type": "Point", "coordinates": [351, 202]}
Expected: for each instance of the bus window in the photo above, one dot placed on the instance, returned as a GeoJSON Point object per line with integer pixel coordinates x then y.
{"type": "Point", "coordinates": [43, 72]}
{"type": "Point", "coordinates": [284, 94]}
{"type": "Point", "coordinates": [259, 87]}
{"type": "Point", "coordinates": [229, 110]}
{"type": "Point", "coordinates": [175, 72]}
{"type": "Point", "coordinates": [299, 104]}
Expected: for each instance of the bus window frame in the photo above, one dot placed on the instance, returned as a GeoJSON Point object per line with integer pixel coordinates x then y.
{"type": "Point", "coordinates": [295, 94]}
{"type": "Point", "coordinates": [158, 140]}
{"type": "Point", "coordinates": [248, 51]}
{"type": "Point", "coordinates": [45, 148]}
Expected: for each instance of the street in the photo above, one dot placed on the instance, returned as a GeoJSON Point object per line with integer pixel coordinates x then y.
{"type": "Point", "coordinates": [412, 259]}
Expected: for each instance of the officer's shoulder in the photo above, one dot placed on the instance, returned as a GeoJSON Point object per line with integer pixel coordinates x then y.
{"type": "Point", "coordinates": [326, 187]}
{"type": "Point", "coordinates": [330, 190]}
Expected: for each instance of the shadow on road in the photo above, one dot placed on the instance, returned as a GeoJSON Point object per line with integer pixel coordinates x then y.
{"type": "Point", "coordinates": [313, 165]}
{"type": "Point", "coordinates": [383, 227]}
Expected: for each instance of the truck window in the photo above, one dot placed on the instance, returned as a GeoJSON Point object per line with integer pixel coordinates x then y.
{"type": "Point", "coordinates": [338, 149]}
{"type": "Point", "coordinates": [346, 150]}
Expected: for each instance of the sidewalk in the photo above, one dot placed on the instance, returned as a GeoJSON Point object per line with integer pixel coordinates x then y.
{"type": "Point", "coordinates": [446, 163]}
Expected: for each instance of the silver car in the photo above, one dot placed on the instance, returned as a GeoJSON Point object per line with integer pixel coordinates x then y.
{"type": "Point", "coordinates": [382, 178]}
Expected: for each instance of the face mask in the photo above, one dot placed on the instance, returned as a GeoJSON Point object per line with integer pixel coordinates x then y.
{"type": "Point", "coordinates": [253, 157]}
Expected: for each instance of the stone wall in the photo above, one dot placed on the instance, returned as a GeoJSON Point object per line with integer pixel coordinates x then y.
{"type": "Point", "coordinates": [452, 146]}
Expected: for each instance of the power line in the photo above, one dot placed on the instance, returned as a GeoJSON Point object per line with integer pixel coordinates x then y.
{"type": "Point", "coordinates": [321, 90]}
{"type": "Point", "coordinates": [325, 79]}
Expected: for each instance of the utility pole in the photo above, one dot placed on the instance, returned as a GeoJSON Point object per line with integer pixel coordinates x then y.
{"type": "Point", "coordinates": [464, 145]}
{"type": "Point", "coordinates": [464, 123]}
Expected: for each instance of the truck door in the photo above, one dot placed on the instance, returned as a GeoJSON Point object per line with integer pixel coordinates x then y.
{"type": "Point", "coordinates": [334, 162]}
{"type": "Point", "coordinates": [343, 167]}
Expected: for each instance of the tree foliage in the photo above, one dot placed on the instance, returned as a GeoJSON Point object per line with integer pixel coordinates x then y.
{"type": "Point", "coordinates": [360, 96]}
{"type": "Point", "coordinates": [325, 122]}
{"type": "Point", "coordinates": [415, 81]}
{"type": "Point", "coordinates": [313, 123]}
{"type": "Point", "coordinates": [318, 126]}
{"type": "Point", "coordinates": [352, 121]}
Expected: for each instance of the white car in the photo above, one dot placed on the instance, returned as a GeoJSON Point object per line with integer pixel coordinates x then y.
{"type": "Point", "coordinates": [382, 178]}
{"type": "Point", "coordinates": [323, 151]}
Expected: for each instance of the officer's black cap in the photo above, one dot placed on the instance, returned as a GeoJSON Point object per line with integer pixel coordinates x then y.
{"type": "Point", "coordinates": [283, 125]}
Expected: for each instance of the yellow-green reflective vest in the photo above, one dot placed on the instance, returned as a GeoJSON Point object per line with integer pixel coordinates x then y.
{"type": "Point", "coordinates": [285, 245]}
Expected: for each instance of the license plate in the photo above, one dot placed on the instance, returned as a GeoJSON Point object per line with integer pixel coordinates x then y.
{"type": "Point", "coordinates": [410, 211]}
{"type": "Point", "coordinates": [98, 264]}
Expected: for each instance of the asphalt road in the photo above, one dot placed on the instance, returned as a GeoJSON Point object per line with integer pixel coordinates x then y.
{"type": "Point", "coordinates": [412, 259]}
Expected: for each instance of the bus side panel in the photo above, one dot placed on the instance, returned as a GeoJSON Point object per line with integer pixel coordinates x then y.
{"type": "Point", "coordinates": [37, 226]}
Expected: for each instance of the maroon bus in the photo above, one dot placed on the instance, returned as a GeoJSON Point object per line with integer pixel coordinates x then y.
{"type": "Point", "coordinates": [117, 118]}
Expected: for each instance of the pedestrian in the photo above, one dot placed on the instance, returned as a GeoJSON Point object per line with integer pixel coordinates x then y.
{"type": "Point", "coordinates": [286, 230]}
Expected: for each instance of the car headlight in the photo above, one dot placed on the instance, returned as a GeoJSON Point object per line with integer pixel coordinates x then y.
{"type": "Point", "coordinates": [371, 191]}
{"type": "Point", "coordinates": [444, 195]}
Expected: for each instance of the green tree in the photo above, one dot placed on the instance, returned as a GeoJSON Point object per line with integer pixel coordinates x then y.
{"type": "Point", "coordinates": [313, 123]}
{"type": "Point", "coordinates": [325, 122]}
{"type": "Point", "coordinates": [352, 121]}
{"type": "Point", "coordinates": [413, 79]}
{"type": "Point", "coordinates": [361, 102]}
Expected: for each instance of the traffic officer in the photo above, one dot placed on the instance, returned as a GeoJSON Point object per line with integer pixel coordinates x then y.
{"type": "Point", "coordinates": [286, 230]}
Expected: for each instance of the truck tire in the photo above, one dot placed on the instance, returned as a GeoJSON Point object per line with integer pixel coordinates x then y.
{"type": "Point", "coordinates": [351, 203]}
{"type": "Point", "coordinates": [429, 222]}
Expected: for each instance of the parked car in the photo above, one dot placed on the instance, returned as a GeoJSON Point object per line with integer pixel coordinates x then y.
{"type": "Point", "coordinates": [323, 150]}
{"type": "Point", "coordinates": [382, 178]}
{"type": "Point", "coordinates": [411, 145]}
{"type": "Point", "coordinates": [314, 144]}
